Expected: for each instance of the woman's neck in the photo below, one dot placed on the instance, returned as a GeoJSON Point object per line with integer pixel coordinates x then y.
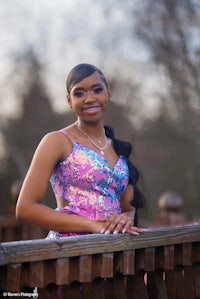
{"type": "Point", "coordinates": [93, 129]}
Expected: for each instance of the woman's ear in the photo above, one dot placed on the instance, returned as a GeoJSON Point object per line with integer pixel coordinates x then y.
{"type": "Point", "coordinates": [109, 94]}
{"type": "Point", "coordinates": [69, 101]}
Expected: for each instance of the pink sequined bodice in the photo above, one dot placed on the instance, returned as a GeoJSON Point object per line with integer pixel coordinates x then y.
{"type": "Point", "coordinates": [90, 187]}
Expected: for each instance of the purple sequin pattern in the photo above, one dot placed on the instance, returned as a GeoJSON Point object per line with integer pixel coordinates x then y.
{"type": "Point", "coordinates": [90, 187]}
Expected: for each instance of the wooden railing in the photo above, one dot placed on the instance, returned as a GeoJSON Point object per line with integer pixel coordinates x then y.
{"type": "Point", "coordinates": [161, 263]}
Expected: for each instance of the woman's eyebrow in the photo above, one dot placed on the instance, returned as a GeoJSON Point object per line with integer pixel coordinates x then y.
{"type": "Point", "coordinates": [92, 86]}
{"type": "Point", "coordinates": [98, 84]}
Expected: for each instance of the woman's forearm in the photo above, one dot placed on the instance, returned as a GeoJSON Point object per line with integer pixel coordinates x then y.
{"type": "Point", "coordinates": [51, 220]}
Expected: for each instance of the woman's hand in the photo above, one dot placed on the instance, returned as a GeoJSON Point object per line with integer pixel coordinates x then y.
{"type": "Point", "coordinates": [124, 222]}
{"type": "Point", "coordinates": [119, 223]}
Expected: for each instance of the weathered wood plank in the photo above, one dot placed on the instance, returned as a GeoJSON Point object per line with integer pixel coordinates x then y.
{"type": "Point", "coordinates": [102, 265]}
{"type": "Point", "coordinates": [107, 265]}
{"type": "Point", "coordinates": [165, 257]}
{"type": "Point", "coordinates": [13, 277]}
{"type": "Point", "coordinates": [187, 254]}
{"type": "Point", "coordinates": [183, 254]}
{"type": "Point", "coordinates": [128, 266]}
{"type": "Point", "coordinates": [25, 275]}
{"type": "Point", "coordinates": [49, 272]}
{"type": "Point", "coordinates": [168, 257]}
{"type": "Point", "coordinates": [73, 269]}
{"type": "Point", "coordinates": [124, 262]}
{"type": "Point", "coordinates": [139, 260]}
{"type": "Point", "coordinates": [36, 274]}
{"type": "Point", "coordinates": [62, 271]}
{"type": "Point", "coordinates": [172, 270]}
{"type": "Point", "coordinates": [21, 251]}
{"type": "Point", "coordinates": [149, 259]}
{"type": "Point", "coordinates": [85, 268]}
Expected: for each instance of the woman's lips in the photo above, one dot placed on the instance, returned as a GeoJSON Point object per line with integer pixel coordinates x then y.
{"type": "Point", "coordinates": [93, 109]}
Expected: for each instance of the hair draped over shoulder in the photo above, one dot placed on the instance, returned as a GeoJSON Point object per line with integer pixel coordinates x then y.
{"type": "Point", "coordinates": [125, 148]}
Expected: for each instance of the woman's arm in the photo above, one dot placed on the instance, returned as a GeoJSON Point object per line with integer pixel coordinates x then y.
{"type": "Point", "coordinates": [29, 206]}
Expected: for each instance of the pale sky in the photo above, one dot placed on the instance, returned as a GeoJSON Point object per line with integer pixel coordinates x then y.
{"type": "Point", "coordinates": [65, 33]}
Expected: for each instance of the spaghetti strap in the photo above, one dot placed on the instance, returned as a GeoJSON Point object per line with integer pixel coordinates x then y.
{"type": "Point", "coordinates": [67, 135]}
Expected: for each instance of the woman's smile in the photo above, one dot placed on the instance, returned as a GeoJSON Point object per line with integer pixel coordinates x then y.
{"type": "Point", "coordinates": [92, 110]}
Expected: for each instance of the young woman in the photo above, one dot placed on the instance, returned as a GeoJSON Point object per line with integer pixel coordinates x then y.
{"type": "Point", "coordinates": [88, 168]}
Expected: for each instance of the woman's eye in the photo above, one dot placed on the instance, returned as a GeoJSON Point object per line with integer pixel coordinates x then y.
{"type": "Point", "coordinates": [79, 93]}
{"type": "Point", "coordinates": [97, 90]}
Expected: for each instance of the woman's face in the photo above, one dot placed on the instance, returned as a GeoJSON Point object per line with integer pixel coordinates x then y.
{"type": "Point", "coordinates": [89, 98]}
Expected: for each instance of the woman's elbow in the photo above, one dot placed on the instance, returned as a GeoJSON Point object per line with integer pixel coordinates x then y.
{"type": "Point", "coordinates": [21, 211]}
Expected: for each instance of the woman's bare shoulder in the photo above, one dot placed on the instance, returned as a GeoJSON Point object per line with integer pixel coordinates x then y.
{"type": "Point", "coordinates": [57, 141]}
{"type": "Point", "coordinates": [55, 136]}
{"type": "Point", "coordinates": [53, 141]}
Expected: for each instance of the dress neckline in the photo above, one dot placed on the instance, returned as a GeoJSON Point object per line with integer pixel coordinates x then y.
{"type": "Point", "coordinates": [76, 143]}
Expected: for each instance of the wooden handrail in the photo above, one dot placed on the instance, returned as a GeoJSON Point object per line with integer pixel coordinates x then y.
{"type": "Point", "coordinates": [36, 250]}
{"type": "Point", "coordinates": [155, 264]}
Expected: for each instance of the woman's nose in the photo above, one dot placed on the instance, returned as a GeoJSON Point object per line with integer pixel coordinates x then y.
{"type": "Point", "coordinates": [89, 97]}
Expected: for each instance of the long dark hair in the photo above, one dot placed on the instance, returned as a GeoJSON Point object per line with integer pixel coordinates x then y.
{"type": "Point", "coordinates": [125, 148]}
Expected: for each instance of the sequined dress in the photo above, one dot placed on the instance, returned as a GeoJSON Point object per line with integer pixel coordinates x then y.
{"type": "Point", "coordinates": [88, 184]}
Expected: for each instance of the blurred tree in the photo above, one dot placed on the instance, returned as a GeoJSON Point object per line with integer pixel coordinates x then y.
{"type": "Point", "coordinates": [171, 31]}
{"type": "Point", "coordinates": [171, 143]}
{"type": "Point", "coordinates": [23, 133]}
{"type": "Point", "coordinates": [37, 117]}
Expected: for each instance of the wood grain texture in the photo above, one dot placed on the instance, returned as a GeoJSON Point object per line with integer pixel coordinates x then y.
{"type": "Point", "coordinates": [158, 264]}
{"type": "Point", "coordinates": [35, 250]}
